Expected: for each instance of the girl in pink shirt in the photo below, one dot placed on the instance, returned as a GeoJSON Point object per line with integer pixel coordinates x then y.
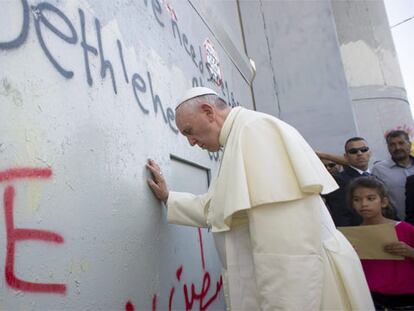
{"type": "Point", "coordinates": [391, 282]}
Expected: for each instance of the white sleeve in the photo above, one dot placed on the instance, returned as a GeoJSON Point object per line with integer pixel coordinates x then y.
{"type": "Point", "coordinates": [286, 249]}
{"type": "Point", "coordinates": [187, 209]}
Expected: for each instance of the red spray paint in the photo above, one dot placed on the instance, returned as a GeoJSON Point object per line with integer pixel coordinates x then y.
{"type": "Point", "coordinates": [205, 296]}
{"type": "Point", "coordinates": [21, 234]}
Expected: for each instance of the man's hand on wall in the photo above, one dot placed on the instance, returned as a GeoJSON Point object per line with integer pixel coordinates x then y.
{"type": "Point", "coordinates": [157, 182]}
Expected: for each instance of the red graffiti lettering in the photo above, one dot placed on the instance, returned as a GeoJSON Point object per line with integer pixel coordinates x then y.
{"type": "Point", "coordinates": [179, 272]}
{"type": "Point", "coordinates": [219, 285]}
{"type": "Point", "coordinates": [202, 295]}
{"type": "Point", "coordinates": [191, 296]}
{"type": "Point", "coordinates": [154, 303]}
{"type": "Point", "coordinates": [18, 234]}
{"type": "Point", "coordinates": [129, 306]}
{"type": "Point", "coordinates": [19, 173]}
{"type": "Point", "coordinates": [200, 240]}
{"type": "Point", "coordinates": [170, 300]}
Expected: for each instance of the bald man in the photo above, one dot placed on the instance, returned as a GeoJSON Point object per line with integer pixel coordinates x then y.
{"type": "Point", "coordinates": [278, 245]}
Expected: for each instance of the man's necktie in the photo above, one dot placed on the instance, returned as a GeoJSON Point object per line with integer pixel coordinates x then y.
{"type": "Point", "coordinates": [365, 174]}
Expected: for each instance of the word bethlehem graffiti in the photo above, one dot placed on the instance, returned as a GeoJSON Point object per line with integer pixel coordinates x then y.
{"type": "Point", "coordinates": [139, 84]}
{"type": "Point", "coordinates": [46, 17]}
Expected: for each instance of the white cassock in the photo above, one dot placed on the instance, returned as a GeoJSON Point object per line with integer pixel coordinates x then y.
{"type": "Point", "coordinates": [276, 240]}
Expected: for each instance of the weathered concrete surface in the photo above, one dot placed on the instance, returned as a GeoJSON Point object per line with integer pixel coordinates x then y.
{"type": "Point", "coordinates": [300, 76]}
{"type": "Point", "coordinates": [87, 94]}
{"type": "Point", "coordinates": [372, 70]}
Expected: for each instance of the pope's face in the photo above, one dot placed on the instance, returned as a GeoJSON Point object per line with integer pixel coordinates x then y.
{"type": "Point", "coordinates": [198, 126]}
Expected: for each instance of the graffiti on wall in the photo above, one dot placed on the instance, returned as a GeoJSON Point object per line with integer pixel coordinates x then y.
{"type": "Point", "coordinates": [406, 128]}
{"type": "Point", "coordinates": [200, 298]}
{"type": "Point", "coordinates": [140, 82]}
{"type": "Point", "coordinates": [212, 62]}
{"type": "Point", "coordinates": [14, 235]}
{"type": "Point", "coordinates": [49, 23]}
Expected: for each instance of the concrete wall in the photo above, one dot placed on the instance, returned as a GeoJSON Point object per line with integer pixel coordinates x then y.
{"type": "Point", "coordinates": [87, 94]}
{"type": "Point", "coordinates": [372, 71]}
{"type": "Point", "coordinates": [224, 13]}
{"type": "Point", "coordinates": [300, 76]}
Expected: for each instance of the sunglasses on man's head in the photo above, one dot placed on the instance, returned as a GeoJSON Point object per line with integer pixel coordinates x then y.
{"type": "Point", "coordinates": [330, 165]}
{"type": "Point", "coordinates": [355, 150]}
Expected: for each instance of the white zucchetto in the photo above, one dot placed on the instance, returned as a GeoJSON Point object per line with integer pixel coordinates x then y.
{"type": "Point", "coordinates": [195, 92]}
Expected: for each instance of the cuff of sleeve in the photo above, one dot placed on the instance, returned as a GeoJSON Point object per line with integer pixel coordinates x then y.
{"type": "Point", "coordinates": [186, 209]}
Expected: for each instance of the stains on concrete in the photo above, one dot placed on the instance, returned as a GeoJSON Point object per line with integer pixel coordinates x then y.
{"type": "Point", "coordinates": [7, 90]}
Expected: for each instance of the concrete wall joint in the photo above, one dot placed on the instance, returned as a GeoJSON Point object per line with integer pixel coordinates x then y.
{"type": "Point", "coordinates": [239, 59]}
{"type": "Point", "coordinates": [269, 51]}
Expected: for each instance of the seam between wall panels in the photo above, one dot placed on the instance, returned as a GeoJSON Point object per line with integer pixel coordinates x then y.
{"type": "Point", "coordinates": [269, 51]}
{"type": "Point", "coordinates": [239, 59]}
{"type": "Point", "coordinates": [245, 51]}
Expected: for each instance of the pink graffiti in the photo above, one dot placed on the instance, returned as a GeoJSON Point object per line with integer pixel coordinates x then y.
{"type": "Point", "coordinates": [170, 10]}
{"type": "Point", "coordinates": [406, 128]}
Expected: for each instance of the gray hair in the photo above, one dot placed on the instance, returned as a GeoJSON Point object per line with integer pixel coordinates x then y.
{"type": "Point", "coordinates": [397, 133]}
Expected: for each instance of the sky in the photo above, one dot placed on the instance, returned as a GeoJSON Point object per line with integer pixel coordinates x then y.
{"type": "Point", "coordinates": [398, 11]}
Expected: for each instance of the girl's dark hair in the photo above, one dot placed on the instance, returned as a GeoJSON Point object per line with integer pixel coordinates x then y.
{"type": "Point", "coordinates": [372, 182]}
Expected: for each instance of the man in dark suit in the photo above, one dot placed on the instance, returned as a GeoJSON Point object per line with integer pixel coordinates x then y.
{"type": "Point", "coordinates": [357, 154]}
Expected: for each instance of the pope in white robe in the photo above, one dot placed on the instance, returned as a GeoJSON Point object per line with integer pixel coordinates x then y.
{"type": "Point", "coordinates": [276, 240]}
